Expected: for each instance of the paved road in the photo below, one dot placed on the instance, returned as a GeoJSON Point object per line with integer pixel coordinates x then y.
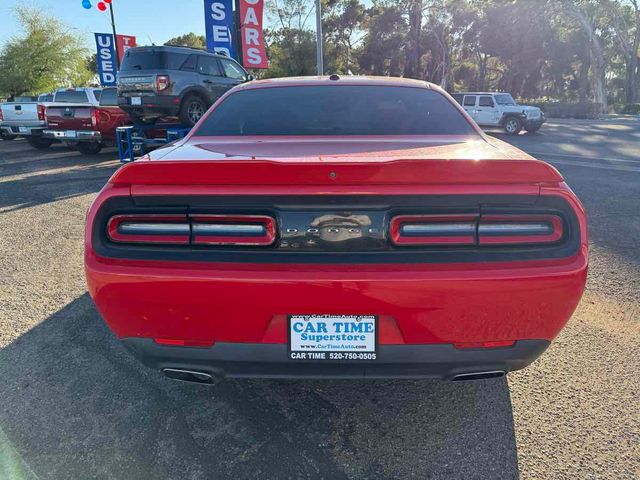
{"type": "Point", "coordinates": [74, 404]}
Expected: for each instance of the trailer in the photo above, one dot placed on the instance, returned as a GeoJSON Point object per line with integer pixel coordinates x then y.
{"type": "Point", "coordinates": [138, 139]}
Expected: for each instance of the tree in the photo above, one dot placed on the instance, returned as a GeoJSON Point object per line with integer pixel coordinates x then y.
{"type": "Point", "coordinates": [188, 40]}
{"type": "Point", "coordinates": [48, 55]}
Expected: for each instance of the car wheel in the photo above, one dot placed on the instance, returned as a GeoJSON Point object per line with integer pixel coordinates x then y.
{"type": "Point", "coordinates": [512, 126]}
{"type": "Point", "coordinates": [192, 110]}
{"type": "Point", "coordinates": [89, 148]}
{"type": "Point", "coordinates": [39, 142]}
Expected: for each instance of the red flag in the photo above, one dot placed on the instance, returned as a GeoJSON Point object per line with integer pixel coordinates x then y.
{"type": "Point", "coordinates": [254, 54]}
{"type": "Point", "coordinates": [124, 42]}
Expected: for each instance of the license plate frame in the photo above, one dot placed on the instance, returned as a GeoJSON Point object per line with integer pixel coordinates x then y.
{"type": "Point", "coordinates": [333, 350]}
{"type": "Point", "coordinates": [71, 134]}
{"type": "Point", "coordinates": [23, 130]}
{"type": "Point", "coordinates": [136, 101]}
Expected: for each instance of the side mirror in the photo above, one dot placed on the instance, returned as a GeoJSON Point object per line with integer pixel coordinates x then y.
{"type": "Point", "coordinates": [250, 77]}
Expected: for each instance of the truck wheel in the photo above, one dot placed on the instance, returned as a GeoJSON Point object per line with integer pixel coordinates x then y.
{"type": "Point", "coordinates": [192, 110]}
{"type": "Point", "coordinates": [512, 125]}
{"type": "Point", "coordinates": [39, 142]}
{"type": "Point", "coordinates": [89, 148]}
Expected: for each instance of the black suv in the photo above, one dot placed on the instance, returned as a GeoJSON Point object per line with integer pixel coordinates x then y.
{"type": "Point", "coordinates": [163, 81]}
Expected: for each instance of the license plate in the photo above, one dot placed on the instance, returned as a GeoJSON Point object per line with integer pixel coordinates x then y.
{"type": "Point", "coordinates": [342, 338]}
{"type": "Point", "coordinates": [70, 134]}
{"type": "Point", "coordinates": [23, 129]}
{"type": "Point", "coordinates": [136, 100]}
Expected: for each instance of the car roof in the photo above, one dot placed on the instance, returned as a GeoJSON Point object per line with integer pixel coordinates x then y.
{"type": "Point", "coordinates": [480, 93]}
{"type": "Point", "coordinates": [179, 49]}
{"type": "Point", "coordinates": [335, 80]}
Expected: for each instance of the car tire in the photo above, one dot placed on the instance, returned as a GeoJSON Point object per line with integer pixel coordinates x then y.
{"type": "Point", "coordinates": [512, 126]}
{"type": "Point", "coordinates": [39, 143]}
{"type": "Point", "coordinates": [89, 148]}
{"type": "Point", "coordinates": [192, 109]}
{"type": "Point", "coordinates": [533, 129]}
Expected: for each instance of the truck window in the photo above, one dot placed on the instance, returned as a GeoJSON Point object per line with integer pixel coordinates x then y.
{"type": "Point", "coordinates": [486, 101]}
{"type": "Point", "coordinates": [71, 96]}
{"type": "Point", "coordinates": [109, 98]}
{"type": "Point", "coordinates": [470, 101]}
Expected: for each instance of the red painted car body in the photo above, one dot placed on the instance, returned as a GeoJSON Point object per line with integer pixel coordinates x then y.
{"type": "Point", "coordinates": [447, 307]}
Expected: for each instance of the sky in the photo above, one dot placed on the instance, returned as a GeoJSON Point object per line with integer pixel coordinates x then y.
{"type": "Point", "coordinates": [151, 21]}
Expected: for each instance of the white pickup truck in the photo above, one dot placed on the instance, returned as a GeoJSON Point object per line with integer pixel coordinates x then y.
{"type": "Point", "coordinates": [28, 119]}
{"type": "Point", "coordinates": [23, 118]}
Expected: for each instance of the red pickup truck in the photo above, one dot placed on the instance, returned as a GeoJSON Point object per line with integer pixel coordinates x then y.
{"type": "Point", "coordinates": [88, 120]}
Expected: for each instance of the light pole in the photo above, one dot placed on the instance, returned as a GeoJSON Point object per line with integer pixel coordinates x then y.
{"type": "Point", "coordinates": [115, 37]}
{"type": "Point", "coordinates": [319, 63]}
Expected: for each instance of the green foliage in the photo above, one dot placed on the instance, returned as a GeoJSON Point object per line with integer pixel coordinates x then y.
{"type": "Point", "coordinates": [48, 55]}
{"type": "Point", "coordinates": [188, 40]}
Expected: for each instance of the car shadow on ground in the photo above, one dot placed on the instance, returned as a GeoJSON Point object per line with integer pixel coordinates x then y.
{"type": "Point", "coordinates": [76, 405]}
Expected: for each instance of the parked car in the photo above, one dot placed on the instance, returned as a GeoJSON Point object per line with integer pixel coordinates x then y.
{"type": "Point", "coordinates": [356, 227]}
{"type": "Point", "coordinates": [491, 109]}
{"type": "Point", "coordinates": [161, 81]}
{"type": "Point", "coordinates": [89, 125]}
{"type": "Point", "coordinates": [24, 117]}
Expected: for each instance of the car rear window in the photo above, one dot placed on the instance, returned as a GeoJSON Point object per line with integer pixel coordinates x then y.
{"type": "Point", "coordinates": [71, 96]}
{"type": "Point", "coordinates": [335, 110]}
{"type": "Point", "coordinates": [152, 59]}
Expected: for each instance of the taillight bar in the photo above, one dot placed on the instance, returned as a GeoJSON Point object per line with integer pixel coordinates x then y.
{"type": "Point", "coordinates": [164, 229]}
{"type": "Point", "coordinates": [519, 229]}
{"type": "Point", "coordinates": [259, 230]}
{"type": "Point", "coordinates": [482, 230]}
{"type": "Point", "coordinates": [434, 229]}
{"type": "Point", "coordinates": [249, 230]}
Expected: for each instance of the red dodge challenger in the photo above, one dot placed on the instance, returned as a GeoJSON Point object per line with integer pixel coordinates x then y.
{"type": "Point", "coordinates": [336, 227]}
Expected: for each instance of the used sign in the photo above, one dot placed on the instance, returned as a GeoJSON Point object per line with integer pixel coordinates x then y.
{"type": "Point", "coordinates": [218, 19]}
{"type": "Point", "coordinates": [106, 59]}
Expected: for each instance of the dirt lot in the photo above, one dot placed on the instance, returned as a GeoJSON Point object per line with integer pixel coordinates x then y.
{"type": "Point", "coordinates": [74, 404]}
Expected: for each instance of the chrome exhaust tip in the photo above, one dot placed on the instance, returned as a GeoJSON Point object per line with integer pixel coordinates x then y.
{"type": "Point", "coordinates": [479, 375]}
{"type": "Point", "coordinates": [189, 376]}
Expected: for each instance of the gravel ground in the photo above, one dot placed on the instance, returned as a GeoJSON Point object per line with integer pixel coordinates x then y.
{"type": "Point", "coordinates": [74, 404]}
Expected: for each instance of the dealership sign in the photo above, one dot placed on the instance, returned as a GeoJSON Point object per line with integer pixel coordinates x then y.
{"type": "Point", "coordinates": [218, 20]}
{"type": "Point", "coordinates": [106, 59]}
{"type": "Point", "coordinates": [106, 55]}
{"type": "Point", "coordinates": [254, 54]}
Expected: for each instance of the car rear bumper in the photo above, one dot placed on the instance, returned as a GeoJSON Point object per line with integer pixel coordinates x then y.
{"type": "Point", "coordinates": [78, 135]}
{"type": "Point", "coordinates": [441, 361]}
{"type": "Point", "coordinates": [151, 105]}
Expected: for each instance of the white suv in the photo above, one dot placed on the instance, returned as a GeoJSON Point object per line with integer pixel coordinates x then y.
{"type": "Point", "coordinates": [500, 110]}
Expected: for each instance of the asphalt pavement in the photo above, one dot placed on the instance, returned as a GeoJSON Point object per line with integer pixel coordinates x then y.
{"type": "Point", "coordinates": [74, 404]}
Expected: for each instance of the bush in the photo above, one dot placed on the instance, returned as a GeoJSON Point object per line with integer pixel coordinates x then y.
{"type": "Point", "coordinates": [570, 110]}
{"type": "Point", "coordinates": [631, 109]}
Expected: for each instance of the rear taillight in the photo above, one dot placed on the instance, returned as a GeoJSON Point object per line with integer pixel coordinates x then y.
{"type": "Point", "coordinates": [164, 229]}
{"type": "Point", "coordinates": [519, 229]}
{"type": "Point", "coordinates": [247, 230]}
{"type": "Point", "coordinates": [95, 117]}
{"type": "Point", "coordinates": [233, 230]}
{"type": "Point", "coordinates": [434, 229]}
{"type": "Point", "coordinates": [482, 230]}
{"type": "Point", "coordinates": [162, 82]}
{"type": "Point", "coordinates": [41, 112]}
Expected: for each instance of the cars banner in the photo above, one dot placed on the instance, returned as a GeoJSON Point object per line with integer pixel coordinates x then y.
{"type": "Point", "coordinates": [254, 53]}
